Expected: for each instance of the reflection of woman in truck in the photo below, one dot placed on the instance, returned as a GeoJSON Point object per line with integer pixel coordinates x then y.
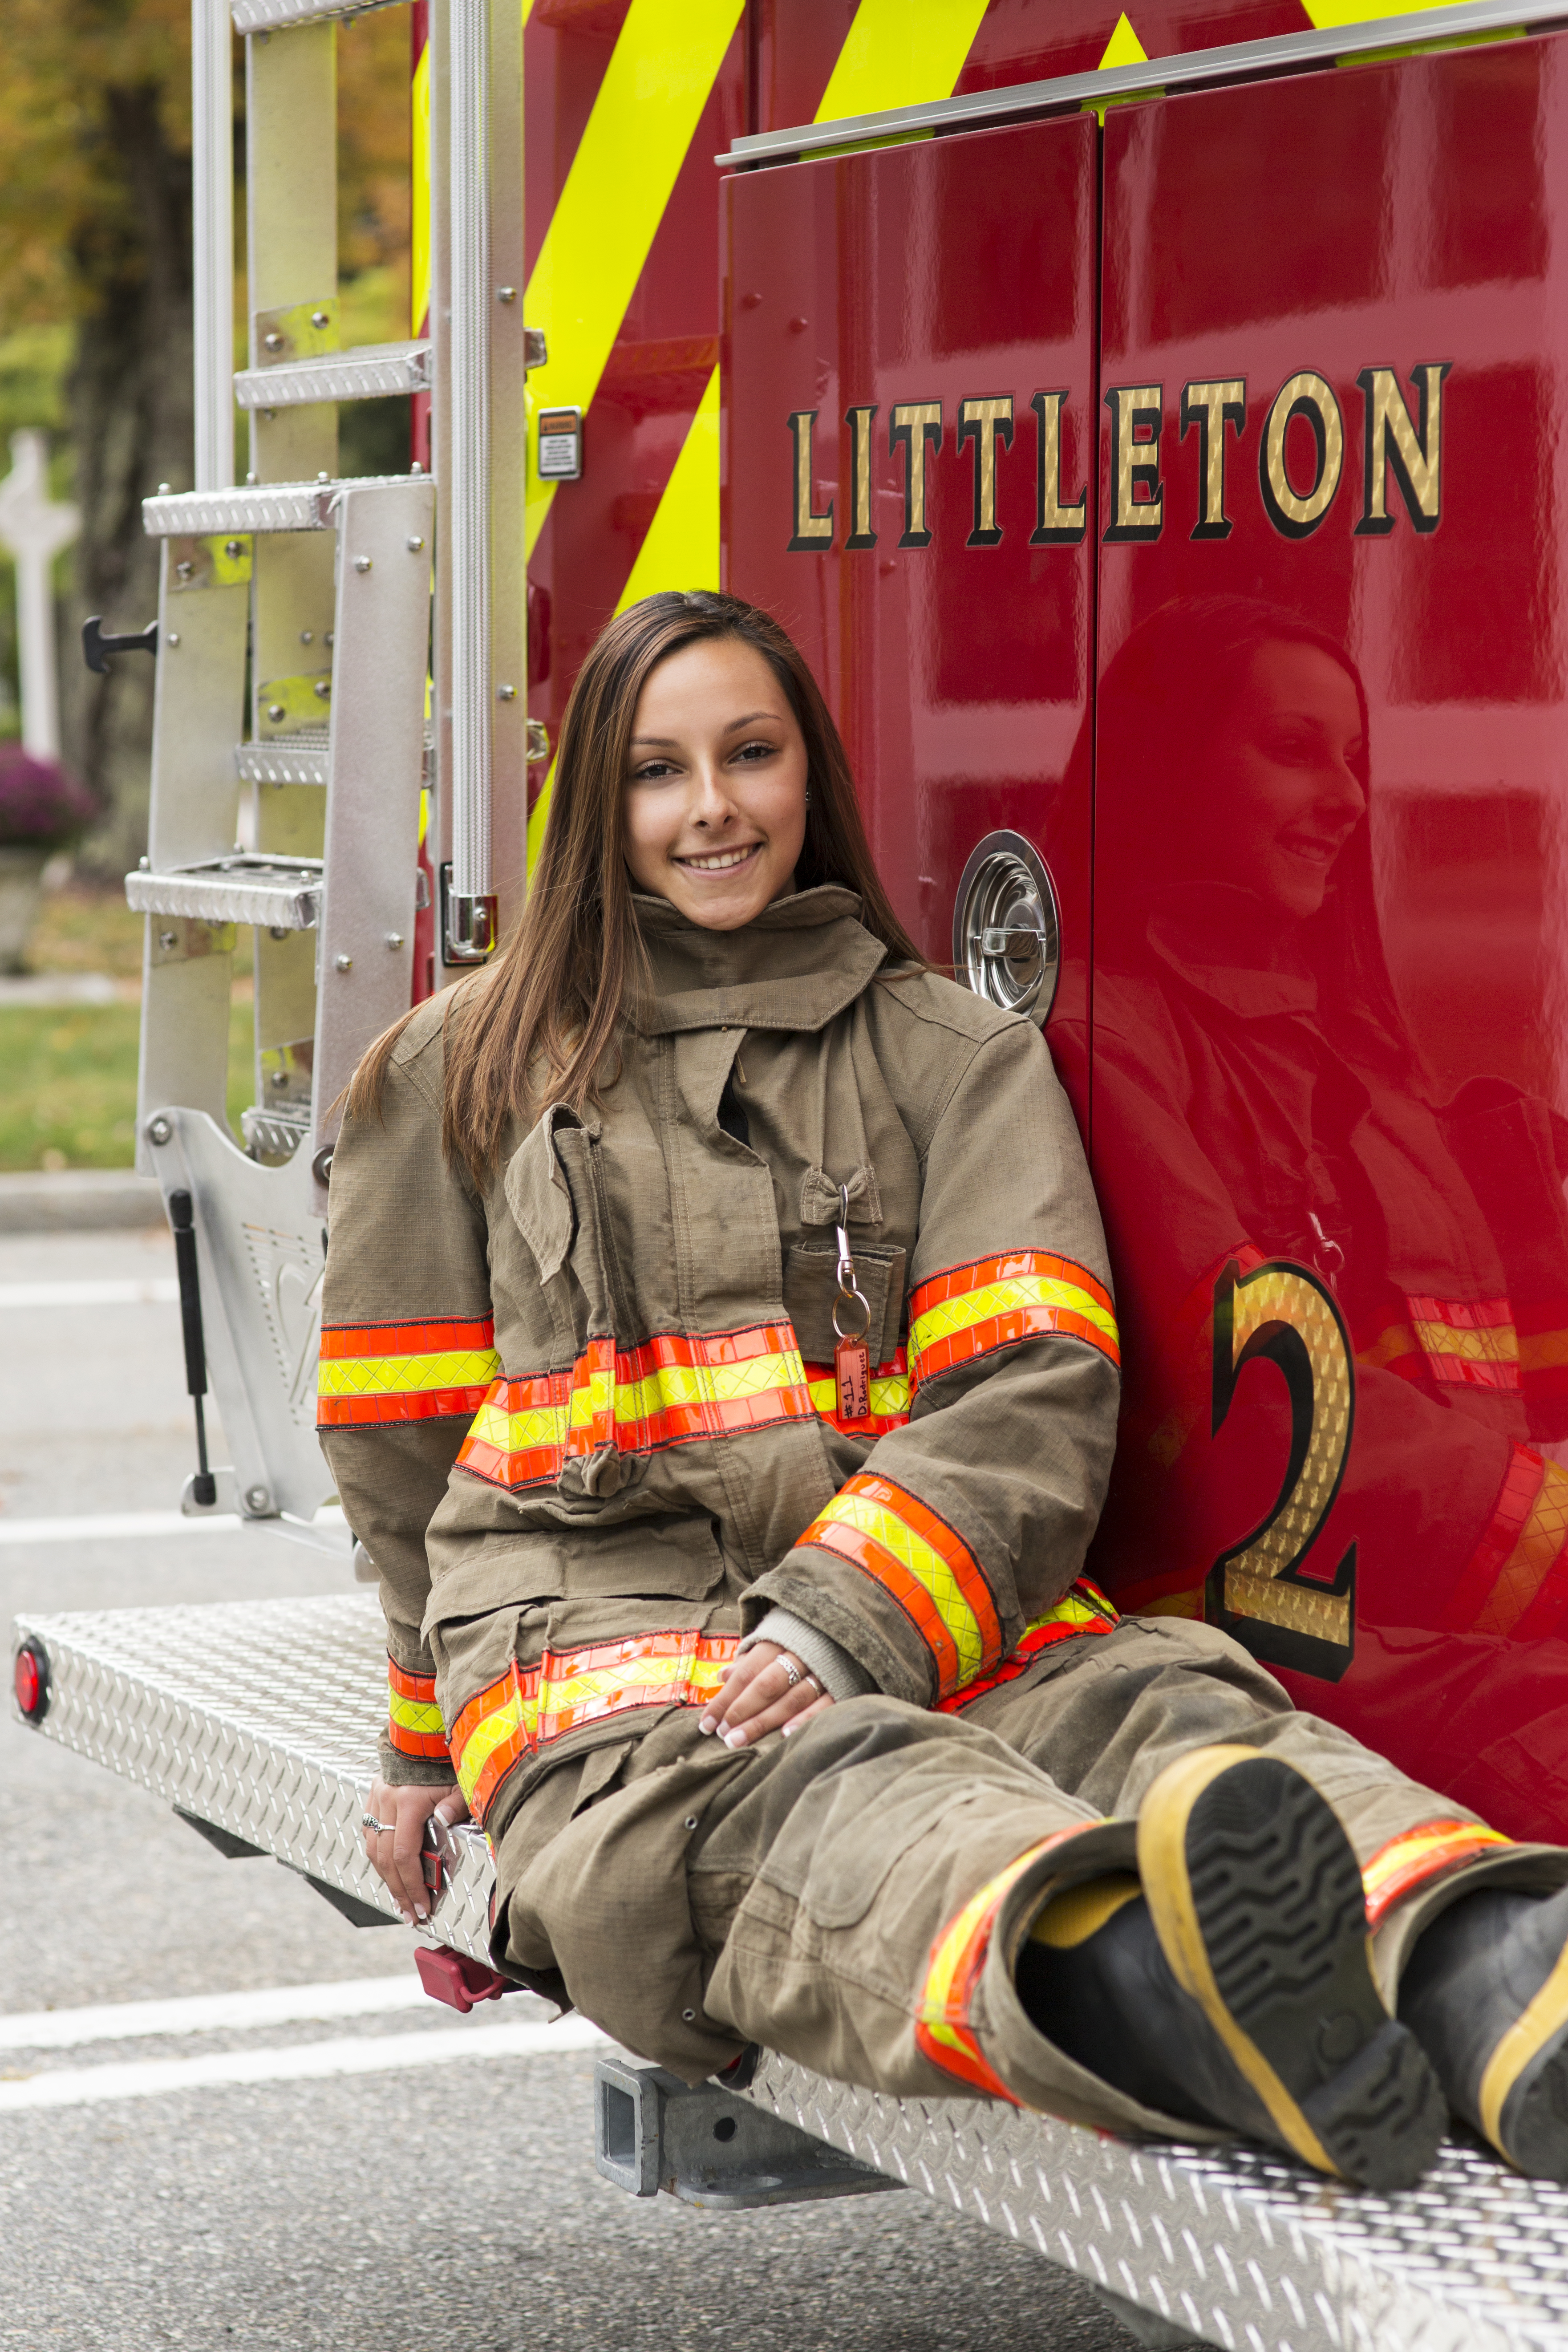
{"type": "Point", "coordinates": [1254, 1075]}
{"type": "Point", "coordinates": [718, 1367]}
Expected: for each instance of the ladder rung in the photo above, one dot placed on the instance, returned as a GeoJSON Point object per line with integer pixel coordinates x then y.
{"type": "Point", "coordinates": [297, 759]}
{"type": "Point", "coordinates": [369, 372]}
{"type": "Point", "coordinates": [279, 1133]}
{"type": "Point", "coordinates": [260, 506]}
{"type": "Point", "coordinates": [281, 894]}
{"type": "Point", "coordinates": [262, 15]}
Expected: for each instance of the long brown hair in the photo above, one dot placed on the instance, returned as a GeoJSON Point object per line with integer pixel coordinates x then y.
{"type": "Point", "coordinates": [541, 1021]}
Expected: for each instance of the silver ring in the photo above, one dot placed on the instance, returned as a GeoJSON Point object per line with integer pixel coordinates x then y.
{"type": "Point", "coordinates": [812, 1681]}
{"type": "Point", "coordinates": [369, 1821]}
{"type": "Point", "coordinates": [791, 1670]}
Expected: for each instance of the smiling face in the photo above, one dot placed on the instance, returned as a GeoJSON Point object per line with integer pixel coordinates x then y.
{"type": "Point", "coordinates": [715, 792]}
{"type": "Point", "coordinates": [1280, 794]}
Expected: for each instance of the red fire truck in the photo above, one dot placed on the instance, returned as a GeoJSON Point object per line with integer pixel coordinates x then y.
{"type": "Point", "coordinates": [1150, 423]}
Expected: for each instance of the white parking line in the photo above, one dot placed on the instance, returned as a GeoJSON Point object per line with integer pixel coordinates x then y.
{"type": "Point", "coordinates": [158, 1290]}
{"type": "Point", "coordinates": [78, 2086]}
{"type": "Point", "coordinates": [209, 2012]}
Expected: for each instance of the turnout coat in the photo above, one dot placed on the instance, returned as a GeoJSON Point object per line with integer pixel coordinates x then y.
{"type": "Point", "coordinates": [583, 1417]}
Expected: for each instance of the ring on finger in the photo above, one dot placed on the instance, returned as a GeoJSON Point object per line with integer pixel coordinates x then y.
{"type": "Point", "coordinates": [369, 1821]}
{"type": "Point", "coordinates": [792, 1670]}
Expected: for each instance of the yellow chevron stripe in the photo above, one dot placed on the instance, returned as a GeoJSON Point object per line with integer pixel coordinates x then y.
{"type": "Point", "coordinates": [899, 53]}
{"type": "Point", "coordinates": [1123, 48]}
{"type": "Point", "coordinates": [419, 271]}
{"type": "Point", "coordinates": [663, 67]}
{"type": "Point", "coordinates": [680, 551]}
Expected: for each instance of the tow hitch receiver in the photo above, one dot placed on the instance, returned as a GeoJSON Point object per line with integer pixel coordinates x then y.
{"type": "Point", "coordinates": [652, 2131]}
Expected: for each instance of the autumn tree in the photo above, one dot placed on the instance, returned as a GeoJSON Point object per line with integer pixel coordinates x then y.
{"type": "Point", "coordinates": [95, 228]}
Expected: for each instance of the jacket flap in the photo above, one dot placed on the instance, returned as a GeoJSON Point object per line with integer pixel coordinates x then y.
{"type": "Point", "coordinates": [538, 1195]}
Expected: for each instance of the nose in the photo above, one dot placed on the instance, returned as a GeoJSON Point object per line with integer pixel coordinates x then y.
{"type": "Point", "coordinates": [1342, 796]}
{"type": "Point", "coordinates": [709, 803]}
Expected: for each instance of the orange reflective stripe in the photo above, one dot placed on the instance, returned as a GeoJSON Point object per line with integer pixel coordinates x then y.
{"type": "Point", "coordinates": [1409, 1860]}
{"type": "Point", "coordinates": [923, 1564]}
{"type": "Point", "coordinates": [942, 2030]}
{"type": "Point", "coordinates": [889, 1398]}
{"type": "Point", "coordinates": [414, 1724]}
{"type": "Point", "coordinates": [994, 1302]}
{"type": "Point", "coordinates": [669, 1392]}
{"type": "Point", "coordinates": [525, 1709]}
{"type": "Point", "coordinates": [378, 1372]}
{"type": "Point", "coordinates": [1516, 1580]}
{"type": "Point", "coordinates": [1466, 1343]}
{"type": "Point", "coordinates": [1082, 1609]}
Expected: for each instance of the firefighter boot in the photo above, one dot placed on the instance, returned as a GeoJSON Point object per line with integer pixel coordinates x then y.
{"type": "Point", "coordinates": [1233, 1986]}
{"type": "Point", "coordinates": [1486, 1994]}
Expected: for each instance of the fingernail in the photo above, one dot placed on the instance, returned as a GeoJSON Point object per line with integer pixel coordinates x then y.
{"type": "Point", "coordinates": [735, 1738]}
{"type": "Point", "coordinates": [421, 1916]}
{"type": "Point", "coordinates": [786, 1728]}
{"type": "Point", "coordinates": [709, 1723]}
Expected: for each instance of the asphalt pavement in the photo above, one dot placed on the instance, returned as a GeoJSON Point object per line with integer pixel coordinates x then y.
{"type": "Point", "coordinates": [370, 2186]}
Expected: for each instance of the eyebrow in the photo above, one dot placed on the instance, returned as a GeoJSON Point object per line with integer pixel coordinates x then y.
{"type": "Point", "coordinates": [749, 719]}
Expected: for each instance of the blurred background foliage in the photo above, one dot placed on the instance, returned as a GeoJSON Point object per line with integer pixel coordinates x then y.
{"type": "Point", "coordinates": [95, 349]}
{"type": "Point", "coordinates": [95, 315]}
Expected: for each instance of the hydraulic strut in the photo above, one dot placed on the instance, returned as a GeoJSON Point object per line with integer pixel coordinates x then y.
{"type": "Point", "coordinates": [204, 1488]}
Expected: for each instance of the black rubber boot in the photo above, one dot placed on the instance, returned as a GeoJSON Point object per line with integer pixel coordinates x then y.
{"type": "Point", "coordinates": [1486, 1994]}
{"type": "Point", "coordinates": [1238, 1990]}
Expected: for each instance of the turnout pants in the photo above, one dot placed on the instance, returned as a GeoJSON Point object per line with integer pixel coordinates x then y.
{"type": "Point", "coordinates": [853, 1897]}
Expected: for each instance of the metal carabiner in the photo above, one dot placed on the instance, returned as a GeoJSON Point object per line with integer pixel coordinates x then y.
{"type": "Point", "coordinates": [850, 1292]}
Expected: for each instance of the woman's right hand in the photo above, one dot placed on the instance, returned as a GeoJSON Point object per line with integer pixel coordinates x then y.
{"type": "Point", "coordinates": [394, 1849]}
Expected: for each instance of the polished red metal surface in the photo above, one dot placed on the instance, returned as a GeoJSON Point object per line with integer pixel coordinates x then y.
{"type": "Point", "coordinates": [892, 495]}
{"type": "Point", "coordinates": [1322, 1011]}
{"type": "Point", "coordinates": [1330, 937]}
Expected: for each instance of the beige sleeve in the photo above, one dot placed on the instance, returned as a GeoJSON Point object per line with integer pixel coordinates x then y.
{"type": "Point", "coordinates": [406, 1356]}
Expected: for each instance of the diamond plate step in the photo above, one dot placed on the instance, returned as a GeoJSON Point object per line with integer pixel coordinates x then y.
{"type": "Point", "coordinates": [368, 371]}
{"type": "Point", "coordinates": [283, 894]}
{"type": "Point", "coordinates": [262, 1718]}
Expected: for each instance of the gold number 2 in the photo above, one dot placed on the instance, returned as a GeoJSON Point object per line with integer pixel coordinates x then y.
{"type": "Point", "coordinates": [1257, 1590]}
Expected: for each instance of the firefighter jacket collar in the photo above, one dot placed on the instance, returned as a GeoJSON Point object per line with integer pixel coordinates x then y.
{"type": "Point", "coordinates": [794, 967]}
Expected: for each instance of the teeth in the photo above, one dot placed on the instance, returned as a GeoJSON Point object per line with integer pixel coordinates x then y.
{"type": "Point", "coordinates": [716, 864]}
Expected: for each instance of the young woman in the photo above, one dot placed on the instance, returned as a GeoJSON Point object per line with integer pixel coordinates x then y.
{"type": "Point", "coordinates": [719, 1368]}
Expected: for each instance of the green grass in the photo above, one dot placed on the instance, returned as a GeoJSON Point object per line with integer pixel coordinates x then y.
{"type": "Point", "coordinates": [68, 1073]}
{"type": "Point", "coordinates": [68, 1082]}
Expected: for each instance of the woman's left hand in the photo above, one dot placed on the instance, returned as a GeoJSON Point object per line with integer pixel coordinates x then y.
{"type": "Point", "coordinates": [766, 1689]}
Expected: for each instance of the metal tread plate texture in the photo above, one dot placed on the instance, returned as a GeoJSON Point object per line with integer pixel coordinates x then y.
{"type": "Point", "coordinates": [262, 1717]}
{"type": "Point", "coordinates": [262, 16]}
{"type": "Point", "coordinates": [285, 894]}
{"type": "Point", "coordinates": [366, 372]}
{"type": "Point", "coordinates": [259, 505]}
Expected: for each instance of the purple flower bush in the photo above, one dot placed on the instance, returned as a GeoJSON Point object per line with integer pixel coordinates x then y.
{"type": "Point", "coordinates": [41, 806]}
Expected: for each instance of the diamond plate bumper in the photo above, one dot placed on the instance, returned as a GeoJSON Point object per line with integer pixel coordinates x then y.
{"type": "Point", "coordinates": [262, 1717]}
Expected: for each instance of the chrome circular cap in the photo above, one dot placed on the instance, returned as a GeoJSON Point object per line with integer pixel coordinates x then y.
{"type": "Point", "coordinates": [1006, 926]}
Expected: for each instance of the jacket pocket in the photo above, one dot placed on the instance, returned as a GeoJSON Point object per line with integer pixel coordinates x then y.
{"type": "Point", "coordinates": [679, 1557]}
{"type": "Point", "coordinates": [811, 1285]}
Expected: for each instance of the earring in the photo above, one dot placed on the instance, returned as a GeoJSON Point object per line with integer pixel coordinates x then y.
{"type": "Point", "coordinates": [808, 796]}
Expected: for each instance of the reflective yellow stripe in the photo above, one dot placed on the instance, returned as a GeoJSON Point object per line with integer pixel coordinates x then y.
{"type": "Point", "coordinates": [464, 1367]}
{"type": "Point", "coordinates": [899, 53]}
{"type": "Point", "coordinates": [923, 1562]}
{"type": "Point", "coordinates": [699, 1384]}
{"type": "Point", "coordinates": [502, 1723]}
{"type": "Point", "coordinates": [663, 68]}
{"type": "Point", "coordinates": [889, 1397]}
{"type": "Point", "coordinates": [972, 1307]}
{"type": "Point", "coordinates": [680, 551]}
{"type": "Point", "coordinates": [415, 1715]}
{"type": "Point", "coordinates": [514, 1433]}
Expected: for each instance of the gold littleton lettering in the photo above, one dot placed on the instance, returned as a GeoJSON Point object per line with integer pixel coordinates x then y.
{"type": "Point", "coordinates": [812, 530]}
{"type": "Point", "coordinates": [1412, 452]}
{"type": "Point", "coordinates": [983, 422]}
{"type": "Point", "coordinates": [1056, 523]}
{"type": "Point", "coordinates": [915, 423]}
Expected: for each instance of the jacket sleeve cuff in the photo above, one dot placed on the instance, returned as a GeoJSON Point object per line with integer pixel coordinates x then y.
{"type": "Point", "coordinates": [841, 1675]}
{"type": "Point", "coordinates": [838, 1602]}
{"type": "Point", "coordinates": [400, 1771]}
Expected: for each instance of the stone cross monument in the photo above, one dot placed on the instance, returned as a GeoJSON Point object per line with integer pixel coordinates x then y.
{"type": "Point", "coordinates": [35, 530]}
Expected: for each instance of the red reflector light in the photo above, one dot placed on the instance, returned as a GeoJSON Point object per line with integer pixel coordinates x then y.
{"type": "Point", "coordinates": [32, 1680]}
